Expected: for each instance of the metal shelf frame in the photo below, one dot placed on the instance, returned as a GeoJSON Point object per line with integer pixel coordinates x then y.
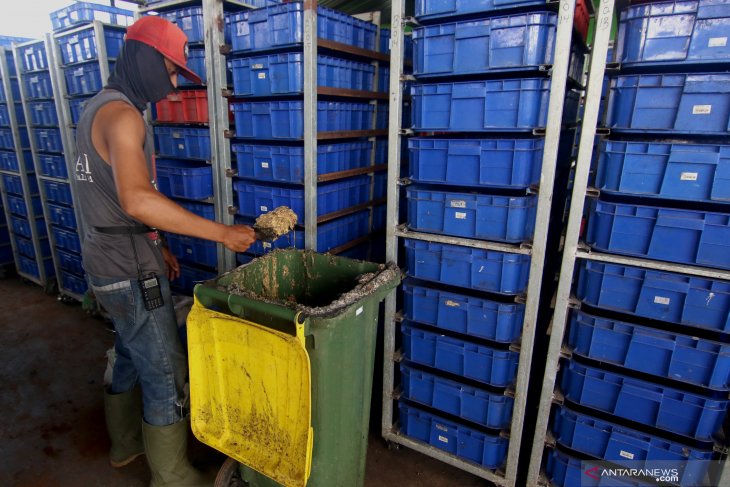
{"type": "Point", "coordinates": [559, 76]}
{"type": "Point", "coordinates": [43, 278]}
{"type": "Point", "coordinates": [574, 249]}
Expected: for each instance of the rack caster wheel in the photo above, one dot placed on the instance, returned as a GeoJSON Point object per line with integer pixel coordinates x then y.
{"type": "Point", "coordinates": [228, 475]}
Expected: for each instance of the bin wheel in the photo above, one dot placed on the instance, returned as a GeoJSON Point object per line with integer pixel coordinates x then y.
{"type": "Point", "coordinates": [393, 446]}
{"type": "Point", "coordinates": [50, 287]}
{"type": "Point", "coordinates": [229, 476]}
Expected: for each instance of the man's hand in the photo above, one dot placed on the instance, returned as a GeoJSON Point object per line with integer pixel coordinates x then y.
{"type": "Point", "coordinates": [239, 238]}
{"type": "Point", "coordinates": [173, 268]}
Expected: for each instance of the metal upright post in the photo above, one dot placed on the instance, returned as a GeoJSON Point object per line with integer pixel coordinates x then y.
{"type": "Point", "coordinates": [310, 124]}
{"type": "Point", "coordinates": [585, 152]}
{"type": "Point", "coordinates": [216, 69]}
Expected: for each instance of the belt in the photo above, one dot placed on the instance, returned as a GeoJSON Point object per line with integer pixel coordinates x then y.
{"type": "Point", "coordinates": [125, 230]}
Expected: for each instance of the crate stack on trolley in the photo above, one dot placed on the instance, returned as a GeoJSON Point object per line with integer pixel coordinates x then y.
{"type": "Point", "coordinates": [645, 364]}
{"type": "Point", "coordinates": [494, 111]}
{"type": "Point", "coordinates": [21, 199]}
{"type": "Point", "coordinates": [332, 177]}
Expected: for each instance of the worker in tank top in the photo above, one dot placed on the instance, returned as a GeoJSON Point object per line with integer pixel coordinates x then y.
{"type": "Point", "coordinates": [127, 267]}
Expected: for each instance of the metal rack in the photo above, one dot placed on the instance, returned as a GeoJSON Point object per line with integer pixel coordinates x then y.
{"type": "Point", "coordinates": [537, 251]}
{"type": "Point", "coordinates": [574, 250]}
{"type": "Point", "coordinates": [44, 276]}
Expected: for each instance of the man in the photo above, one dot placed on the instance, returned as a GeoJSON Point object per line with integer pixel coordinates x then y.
{"type": "Point", "coordinates": [122, 255]}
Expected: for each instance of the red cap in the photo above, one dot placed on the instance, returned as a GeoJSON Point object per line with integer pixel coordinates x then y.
{"type": "Point", "coordinates": [167, 38]}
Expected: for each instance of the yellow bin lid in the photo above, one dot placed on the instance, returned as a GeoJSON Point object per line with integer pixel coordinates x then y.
{"type": "Point", "coordinates": [250, 393]}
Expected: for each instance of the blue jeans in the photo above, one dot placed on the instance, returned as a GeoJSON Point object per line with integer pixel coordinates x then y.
{"type": "Point", "coordinates": [148, 348]}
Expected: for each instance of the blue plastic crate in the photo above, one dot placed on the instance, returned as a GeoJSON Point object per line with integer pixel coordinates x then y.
{"type": "Point", "coordinates": [480, 406]}
{"type": "Point", "coordinates": [190, 20]}
{"type": "Point", "coordinates": [25, 247]}
{"type": "Point", "coordinates": [48, 140]}
{"type": "Point", "coordinates": [459, 440]}
{"type": "Point", "coordinates": [285, 119]}
{"type": "Point", "coordinates": [694, 172]}
{"type": "Point", "coordinates": [432, 9]}
{"type": "Point", "coordinates": [468, 315]}
{"type": "Point", "coordinates": [564, 470]}
{"type": "Point", "coordinates": [6, 139]}
{"type": "Point", "coordinates": [53, 166]}
{"type": "Point", "coordinates": [21, 226]}
{"type": "Point", "coordinates": [491, 366]}
{"type": "Point", "coordinates": [484, 270]}
{"type": "Point", "coordinates": [189, 277]}
{"type": "Point", "coordinates": [37, 86]}
{"type": "Point", "coordinates": [70, 262]}
{"type": "Point", "coordinates": [182, 142]}
{"type": "Point", "coordinates": [62, 216]}
{"type": "Point", "coordinates": [57, 192]}
{"type": "Point", "coordinates": [201, 209]}
{"type": "Point", "coordinates": [195, 250]}
{"type": "Point", "coordinates": [618, 444]}
{"type": "Point", "coordinates": [499, 163]}
{"type": "Point", "coordinates": [4, 116]}
{"type": "Point", "coordinates": [85, 12]}
{"type": "Point", "coordinates": [14, 185]}
{"type": "Point", "coordinates": [501, 218]}
{"type": "Point", "coordinates": [670, 103]}
{"type": "Point", "coordinates": [196, 63]}
{"type": "Point", "coordinates": [674, 33]}
{"type": "Point", "coordinates": [681, 357]}
{"type": "Point", "coordinates": [9, 161]}
{"type": "Point", "coordinates": [283, 74]}
{"type": "Point", "coordinates": [286, 163]}
{"type": "Point", "coordinates": [33, 56]}
{"type": "Point", "coordinates": [17, 206]}
{"type": "Point", "coordinates": [478, 106]}
{"type": "Point", "coordinates": [84, 79]}
{"type": "Point", "coordinates": [683, 236]}
{"type": "Point", "coordinates": [283, 26]}
{"type": "Point", "coordinates": [74, 284]}
{"type": "Point", "coordinates": [66, 239]}
{"type": "Point", "coordinates": [76, 105]}
{"type": "Point", "coordinates": [514, 42]}
{"type": "Point", "coordinates": [666, 408]}
{"type": "Point", "coordinates": [183, 179]}
{"type": "Point", "coordinates": [255, 199]}
{"type": "Point", "coordinates": [43, 113]}
{"type": "Point", "coordinates": [81, 46]}
{"type": "Point", "coordinates": [30, 267]}
{"type": "Point", "coordinates": [665, 296]}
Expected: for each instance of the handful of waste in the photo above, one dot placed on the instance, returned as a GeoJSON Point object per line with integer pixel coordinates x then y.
{"type": "Point", "coordinates": [275, 223]}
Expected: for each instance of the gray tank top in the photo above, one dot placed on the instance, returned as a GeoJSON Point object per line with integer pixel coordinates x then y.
{"type": "Point", "coordinates": [110, 256]}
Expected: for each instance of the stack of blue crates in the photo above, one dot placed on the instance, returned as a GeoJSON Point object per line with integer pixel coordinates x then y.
{"type": "Point", "coordinates": [650, 369]}
{"type": "Point", "coordinates": [184, 170]}
{"type": "Point", "coordinates": [23, 217]}
{"type": "Point", "coordinates": [478, 83]}
{"type": "Point", "coordinates": [268, 84]}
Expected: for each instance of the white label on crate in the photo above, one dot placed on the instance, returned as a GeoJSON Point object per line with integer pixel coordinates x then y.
{"type": "Point", "coordinates": [266, 245]}
{"type": "Point", "coordinates": [358, 311]}
{"type": "Point", "coordinates": [257, 66]}
{"type": "Point", "coordinates": [264, 208]}
{"type": "Point", "coordinates": [262, 75]}
{"type": "Point", "coordinates": [701, 109]}
{"type": "Point", "coordinates": [717, 42]}
{"type": "Point", "coordinates": [441, 427]}
{"type": "Point", "coordinates": [688, 176]}
{"type": "Point", "coordinates": [73, 40]}
{"type": "Point", "coordinates": [458, 204]}
{"type": "Point", "coordinates": [265, 165]}
{"type": "Point", "coordinates": [460, 215]}
{"type": "Point", "coordinates": [452, 304]}
{"type": "Point", "coordinates": [181, 146]}
{"type": "Point", "coordinates": [176, 135]}
{"type": "Point", "coordinates": [626, 454]}
{"type": "Point", "coordinates": [443, 439]}
{"type": "Point", "coordinates": [187, 23]}
{"type": "Point", "coordinates": [189, 251]}
{"type": "Point", "coordinates": [661, 300]}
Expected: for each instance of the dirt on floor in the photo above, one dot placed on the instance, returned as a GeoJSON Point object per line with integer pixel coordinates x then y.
{"type": "Point", "coordinates": [52, 362]}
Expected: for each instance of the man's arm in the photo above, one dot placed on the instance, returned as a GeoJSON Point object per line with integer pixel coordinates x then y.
{"type": "Point", "coordinates": [121, 137]}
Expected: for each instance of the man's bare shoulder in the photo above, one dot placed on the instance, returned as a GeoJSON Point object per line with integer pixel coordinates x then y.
{"type": "Point", "coordinates": [118, 117]}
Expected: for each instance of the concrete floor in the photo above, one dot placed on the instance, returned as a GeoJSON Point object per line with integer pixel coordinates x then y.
{"type": "Point", "coordinates": [52, 360]}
